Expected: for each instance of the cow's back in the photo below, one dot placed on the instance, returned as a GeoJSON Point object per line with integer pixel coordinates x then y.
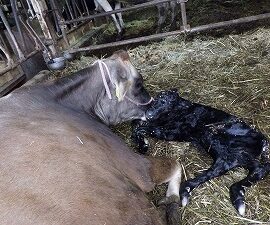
{"type": "Point", "coordinates": [59, 167]}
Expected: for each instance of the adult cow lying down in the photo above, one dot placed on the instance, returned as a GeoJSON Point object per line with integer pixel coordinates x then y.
{"type": "Point", "coordinates": [60, 163]}
{"type": "Point", "coordinates": [228, 140]}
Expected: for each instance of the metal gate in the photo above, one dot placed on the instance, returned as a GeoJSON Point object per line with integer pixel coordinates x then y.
{"type": "Point", "coordinates": [36, 32]}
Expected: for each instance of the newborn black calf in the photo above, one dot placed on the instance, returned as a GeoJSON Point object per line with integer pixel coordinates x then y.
{"type": "Point", "coordinates": [229, 141]}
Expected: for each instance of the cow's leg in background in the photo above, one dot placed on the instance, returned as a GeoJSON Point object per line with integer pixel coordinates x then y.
{"type": "Point", "coordinates": [119, 15]}
{"type": "Point", "coordinates": [107, 7]}
{"type": "Point", "coordinates": [162, 14]}
{"type": "Point", "coordinates": [257, 172]}
{"type": "Point", "coordinates": [173, 15]}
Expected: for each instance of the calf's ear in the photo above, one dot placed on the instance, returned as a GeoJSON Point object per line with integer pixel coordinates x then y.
{"type": "Point", "coordinates": [121, 89]}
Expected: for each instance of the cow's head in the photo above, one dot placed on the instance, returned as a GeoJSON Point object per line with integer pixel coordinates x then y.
{"type": "Point", "coordinates": [128, 96]}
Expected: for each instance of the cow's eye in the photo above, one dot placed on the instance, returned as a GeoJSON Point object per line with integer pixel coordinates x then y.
{"type": "Point", "coordinates": [138, 85]}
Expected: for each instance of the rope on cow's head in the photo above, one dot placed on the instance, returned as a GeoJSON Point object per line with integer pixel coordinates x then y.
{"type": "Point", "coordinates": [101, 64]}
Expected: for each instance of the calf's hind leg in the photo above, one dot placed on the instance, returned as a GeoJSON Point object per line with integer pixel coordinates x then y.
{"type": "Point", "coordinates": [237, 191]}
{"type": "Point", "coordinates": [219, 168]}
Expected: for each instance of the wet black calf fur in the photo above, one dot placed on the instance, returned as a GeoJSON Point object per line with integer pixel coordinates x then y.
{"type": "Point", "coordinates": [228, 140]}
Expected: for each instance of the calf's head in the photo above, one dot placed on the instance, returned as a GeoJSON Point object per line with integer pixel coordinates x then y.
{"type": "Point", "coordinates": [129, 99]}
{"type": "Point", "coordinates": [166, 105]}
{"type": "Point", "coordinates": [163, 104]}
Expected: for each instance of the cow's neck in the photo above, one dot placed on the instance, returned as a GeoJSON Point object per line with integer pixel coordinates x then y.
{"type": "Point", "coordinates": [80, 91]}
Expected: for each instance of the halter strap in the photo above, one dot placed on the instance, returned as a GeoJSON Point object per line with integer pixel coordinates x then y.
{"type": "Point", "coordinates": [138, 103]}
{"type": "Point", "coordinates": [101, 64]}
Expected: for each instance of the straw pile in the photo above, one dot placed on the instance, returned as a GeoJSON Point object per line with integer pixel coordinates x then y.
{"type": "Point", "coordinates": [231, 73]}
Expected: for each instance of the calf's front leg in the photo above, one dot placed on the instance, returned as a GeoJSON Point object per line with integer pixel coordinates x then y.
{"type": "Point", "coordinates": [163, 133]}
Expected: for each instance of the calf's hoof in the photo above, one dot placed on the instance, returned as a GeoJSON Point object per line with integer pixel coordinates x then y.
{"type": "Point", "coordinates": [185, 194]}
{"type": "Point", "coordinates": [238, 199]}
{"type": "Point", "coordinates": [240, 207]}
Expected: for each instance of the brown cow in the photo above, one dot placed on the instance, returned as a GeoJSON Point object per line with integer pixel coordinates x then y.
{"type": "Point", "coordinates": [61, 165]}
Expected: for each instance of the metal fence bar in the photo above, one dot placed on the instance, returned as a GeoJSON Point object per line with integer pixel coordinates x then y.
{"type": "Point", "coordinates": [139, 6]}
{"type": "Point", "coordinates": [15, 14]}
{"type": "Point", "coordinates": [58, 19]}
{"type": "Point", "coordinates": [85, 6]}
{"type": "Point", "coordinates": [182, 31]}
{"type": "Point", "coordinates": [2, 16]}
{"type": "Point", "coordinates": [184, 16]}
{"type": "Point", "coordinates": [231, 22]}
{"type": "Point", "coordinates": [15, 64]}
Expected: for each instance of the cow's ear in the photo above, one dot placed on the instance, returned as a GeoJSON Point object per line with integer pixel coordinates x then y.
{"type": "Point", "coordinates": [121, 89]}
{"type": "Point", "coordinates": [122, 54]}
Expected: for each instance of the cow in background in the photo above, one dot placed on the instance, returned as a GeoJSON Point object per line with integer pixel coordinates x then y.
{"type": "Point", "coordinates": [118, 20]}
{"type": "Point", "coordinates": [61, 164]}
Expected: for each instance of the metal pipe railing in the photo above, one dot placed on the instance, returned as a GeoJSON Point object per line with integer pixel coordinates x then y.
{"type": "Point", "coordinates": [2, 16]}
{"type": "Point", "coordinates": [86, 8]}
{"type": "Point", "coordinates": [15, 64]}
{"type": "Point", "coordinates": [18, 25]}
{"type": "Point", "coordinates": [182, 31]}
{"type": "Point", "coordinates": [184, 17]}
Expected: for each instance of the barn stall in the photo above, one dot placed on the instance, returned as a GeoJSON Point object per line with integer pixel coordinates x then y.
{"type": "Point", "coordinates": [227, 69]}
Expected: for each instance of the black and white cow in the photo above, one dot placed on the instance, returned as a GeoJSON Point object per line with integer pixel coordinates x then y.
{"type": "Point", "coordinates": [163, 8]}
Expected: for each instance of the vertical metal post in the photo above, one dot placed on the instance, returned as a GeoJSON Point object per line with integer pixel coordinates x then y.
{"type": "Point", "coordinates": [70, 11]}
{"type": "Point", "coordinates": [24, 7]}
{"type": "Point", "coordinates": [59, 19]}
{"type": "Point", "coordinates": [20, 53]}
{"type": "Point", "coordinates": [73, 5]}
{"type": "Point", "coordinates": [14, 10]}
{"type": "Point", "coordinates": [185, 26]}
{"type": "Point", "coordinates": [9, 59]}
{"type": "Point", "coordinates": [77, 7]}
{"type": "Point", "coordinates": [40, 7]}
{"type": "Point", "coordinates": [37, 46]}
{"type": "Point", "coordinates": [85, 5]}
{"type": "Point", "coordinates": [30, 8]}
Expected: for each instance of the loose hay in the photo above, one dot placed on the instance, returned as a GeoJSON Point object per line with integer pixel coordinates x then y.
{"type": "Point", "coordinates": [230, 73]}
